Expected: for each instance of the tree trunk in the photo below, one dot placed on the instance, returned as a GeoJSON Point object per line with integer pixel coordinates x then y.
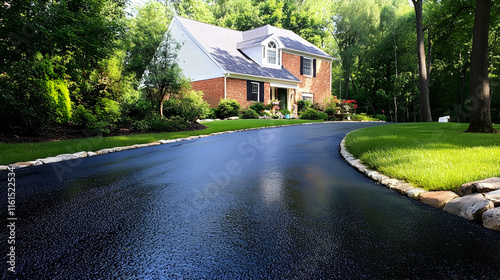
{"type": "Point", "coordinates": [480, 114]}
{"type": "Point", "coordinates": [425, 106]}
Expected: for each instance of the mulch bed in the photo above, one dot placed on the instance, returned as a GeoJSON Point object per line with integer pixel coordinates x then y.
{"type": "Point", "coordinates": [67, 132]}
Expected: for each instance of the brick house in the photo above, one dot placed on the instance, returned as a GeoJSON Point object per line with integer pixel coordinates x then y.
{"type": "Point", "coordinates": [256, 65]}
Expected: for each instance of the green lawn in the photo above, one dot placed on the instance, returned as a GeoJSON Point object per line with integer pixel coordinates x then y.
{"type": "Point", "coordinates": [12, 153]}
{"type": "Point", "coordinates": [434, 156]}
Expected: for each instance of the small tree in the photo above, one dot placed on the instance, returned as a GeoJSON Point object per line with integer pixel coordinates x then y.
{"type": "Point", "coordinates": [163, 76]}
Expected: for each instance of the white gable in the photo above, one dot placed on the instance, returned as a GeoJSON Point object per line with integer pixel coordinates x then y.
{"type": "Point", "coordinates": [195, 62]}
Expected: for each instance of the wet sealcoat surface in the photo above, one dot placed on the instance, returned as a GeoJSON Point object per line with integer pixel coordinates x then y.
{"type": "Point", "coordinates": [266, 204]}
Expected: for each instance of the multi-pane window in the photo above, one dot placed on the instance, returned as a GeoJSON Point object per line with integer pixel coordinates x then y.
{"type": "Point", "coordinates": [307, 67]}
{"type": "Point", "coordinates": [272, 53]}
{"type": "Point", "coordinates": [307, 96]}
{"type": "Point", "coordinates": [255, 91]}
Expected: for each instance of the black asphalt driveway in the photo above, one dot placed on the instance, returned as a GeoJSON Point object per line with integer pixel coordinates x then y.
{"type": "Point", "coordinates": [266, 204]}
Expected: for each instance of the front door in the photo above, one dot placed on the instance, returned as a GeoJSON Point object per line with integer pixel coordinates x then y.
{"type": "Point", "coordinates": [283, 98]}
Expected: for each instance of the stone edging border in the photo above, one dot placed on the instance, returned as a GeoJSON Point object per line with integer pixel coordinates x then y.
{"type": "Point", "coordinates": [477, 208]}
{"type": "Point", "coordinates": [84, 154]}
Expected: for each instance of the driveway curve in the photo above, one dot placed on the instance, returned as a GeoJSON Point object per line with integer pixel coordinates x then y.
{"type": "Point", "coordinates": [275, 203]}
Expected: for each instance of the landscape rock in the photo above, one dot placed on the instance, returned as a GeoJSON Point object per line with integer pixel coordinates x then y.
{"type": "Point", "coordinates": [105, 151]}
{"type": "Point", "coordinates": [21, 164]}
{"type": "Point", "coordinates": [4, 167]}
{"type": "Point", "coordinates": [233, 118]}
{"type": "Point", "coordinates": [67, 156]}
{"type": "Point", "coordinates": [438, 199]}
{"type": "Point", "coordinates": [401, 188]}
{"type": "Point", "coordinates": [167, 141]}
{"type": "Point", "coordinates": [491, 218]}
{"type": "Point", "coordinates": [91, 154]}
{"type": "Point", "coordinates": [482, 186]}
{"type": "Point", "coordinates": [36, 162]}
{"type": "Point", "coordinates": [51, 160]}
{"type": "Point", "coordinates": [470, 207]}
{"type": "Point", "coordinates": [493, 196]}
{"type": "Point", "coordinates": [376, 176]}
{"type": "Point", "coordinates": [415, 193]}
{"type": "Point", "coordinates": [80, 154]}
{"type": "Point", "coordinates": [390, 182]}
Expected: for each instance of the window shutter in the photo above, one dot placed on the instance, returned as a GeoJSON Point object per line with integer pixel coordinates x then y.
{"type": "Point", "coordinates": [301, 65]}
{"type": "Point", "coordinates": [314, 67]}
{"type": "Point", "coordinates": [261, 91]}
{"type": "Point", "coordinates": [249, 90]}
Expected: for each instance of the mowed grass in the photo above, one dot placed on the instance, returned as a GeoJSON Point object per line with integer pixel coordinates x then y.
{"type": "Point", "coordinates": [434, 156]}
{"type": "Point", "coordinates": [12, 153]}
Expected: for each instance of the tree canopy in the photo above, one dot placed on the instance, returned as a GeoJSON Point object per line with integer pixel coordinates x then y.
{"type": "Point", "coordinates": [87, 56]}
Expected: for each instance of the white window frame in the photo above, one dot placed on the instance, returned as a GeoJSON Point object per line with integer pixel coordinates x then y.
{"type": "Point", "coordinates": [272, 52]}
{"type": "Point", "coordinates": [258, 90]}
{"type": "Point", "coordinates": [308, 96]}
{"type": "Point", "coordinates": [310, 68]}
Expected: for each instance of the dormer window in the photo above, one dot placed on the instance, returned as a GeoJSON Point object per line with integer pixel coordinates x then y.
{"type": "Point", "coordinates": [272, 53]}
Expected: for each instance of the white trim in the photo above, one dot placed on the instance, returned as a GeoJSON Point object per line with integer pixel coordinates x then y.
{"type": "Point", "coordinates": [313, 55]}
{"type": "Point", "coordinates": [283, 85]}
{"type": "Point", "coordinates": [260, 78]}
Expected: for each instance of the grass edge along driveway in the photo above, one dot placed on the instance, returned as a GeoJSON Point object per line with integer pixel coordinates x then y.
{"type": "Point", "coordinates": [12, 153]}
{"type": "Point", "coordinates": [433, 156]}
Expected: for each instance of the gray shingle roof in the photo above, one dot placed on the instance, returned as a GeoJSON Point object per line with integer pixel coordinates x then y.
{"type": "Point", "coordinates": [223, 45]}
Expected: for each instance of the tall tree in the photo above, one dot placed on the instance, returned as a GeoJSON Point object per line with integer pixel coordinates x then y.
{"type": "Point", "coordinates": [163, 76]}
{"type": "Point", "coordinates": [425, 105]}
{"type": "Point", "coordinates": [145, 32]}
{"type": "Point", "coordinates": [480, 120]}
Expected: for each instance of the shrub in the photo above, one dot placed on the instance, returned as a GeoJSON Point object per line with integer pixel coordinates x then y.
{"type": "Point", "coordinates": [107, 110]}
{"type": "Point", "coordinates": [212, 113]}
{"type": "Point", "coordinates": [135, 105]}
{"type": "Point", "coordinates": [258, 107]}
{"type": "Point", "coordinates": [330, 111]}
{"type": "Point", "coordinates": [249, 114]}
{"type": "Point", "coordinates": [190, 106]}
{"type": "Point", "coordinates": [381, 117]}
{"type": "Point", "coordinates": [159, 124]}
{"type": "Point", "coordinates": [227, 108]}
{"type": "Point", "coordinates": [311, 114]}
{"type": "Point", "coordinates": [303, 105]}
{"type": "Point", "coordinates": [363, 117]}
{"type": "Point", "coordinates": [102, 127]}
{"type": "Point", "coordinates": [59, 92]}
{"type": "Point", "coordinates": [82, 116]}
{"type": "Point", "coordinates": [285, 111]}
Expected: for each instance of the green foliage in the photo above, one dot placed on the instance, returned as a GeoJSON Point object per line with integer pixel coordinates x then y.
{"type": "Point", "coordinates": [212, 113]}
{"type": "Point", "coordinates": [145, 33]}
{"type": "Point", "coordinates": [362, 117]}
{"type": "Point", "coordinates": [60, 95]}
{"type": "Point", "coordinates": [161, 124]}
{"type": "Point", "coordinates": [330, 111]}
{"type": "Point", "coordinates": [258, 107]}
{"type": "Point", "coordinates": [303, 105]}
{"type": "Point", "coordinates": [249, 114]}
{"type": "Point", "coordinates": [190, 106]}
{"type": "Point", "coordinates": [163, 77]}
{"type": "Point", "coordinates": [227, 108]}
{"type": "Point", "coordinates": [82, 116]}
{"type": "Point", "coordinates": [108, 110]}
{"type": "Point", "coordinates": [311, 114]}
{"type": "Point", "coordinates": [285, 111]}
